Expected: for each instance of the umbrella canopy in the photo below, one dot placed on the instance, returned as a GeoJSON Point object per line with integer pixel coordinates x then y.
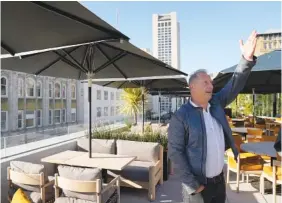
{"type": "Point", "coordinates": [265, 76]}
{"type": "Point", "coordinates": [27, 26]}
{"type": "Point", "coordinates": [150, 84]}
{"type": "Point", "coordinates": [105, 60]}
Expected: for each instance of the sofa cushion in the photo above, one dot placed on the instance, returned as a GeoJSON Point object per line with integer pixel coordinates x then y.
{"type": "Point", "coordinates": [136, 171]}
{"type": "Point", "coordinates": [98, 145]}
{"type": "Point", "coordinates": [77, 173]}
{"type": "Point", "coordinates": [144, 151]}
{"type": "Point", "coordinates": [28, 168]}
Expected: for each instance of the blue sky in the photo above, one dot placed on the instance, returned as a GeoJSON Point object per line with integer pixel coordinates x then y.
{"type": "Point", "coordinates": [209, 31]}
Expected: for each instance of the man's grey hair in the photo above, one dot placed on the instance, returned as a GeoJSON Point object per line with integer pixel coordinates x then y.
{"type": "Point", "coordinates": [194, 75]}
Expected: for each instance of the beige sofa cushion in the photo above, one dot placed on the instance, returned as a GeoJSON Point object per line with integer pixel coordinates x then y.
{"type": "Point", "coordinates": [77, 173]}
{"type": "Point", "coordinates": [144, 151]}
{"type": "Point", "coordinates": [98, 145]}
{"type": "Point", "coordinates": [27, 168]}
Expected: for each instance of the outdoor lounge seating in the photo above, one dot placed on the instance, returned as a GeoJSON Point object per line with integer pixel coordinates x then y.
{"type": "Point", "coordinates": [143, 173]}
{"type": "Point", "coordinates": [32, 180]}
{"type": "Point", "coordinates": [84, 185]}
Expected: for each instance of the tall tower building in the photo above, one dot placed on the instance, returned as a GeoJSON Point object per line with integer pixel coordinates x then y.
{"type": "Point", "coordinates": [166, 37]}
{"type": "Point", "coordinates": [166, 47]}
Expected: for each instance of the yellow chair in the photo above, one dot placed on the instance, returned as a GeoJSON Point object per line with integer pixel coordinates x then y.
{"type": "Point", "coordinates": [247, 163]}
{"type": "Point", "coordinates": [272, 174]}
{"type": "Point", "coordinates": [254, 132]}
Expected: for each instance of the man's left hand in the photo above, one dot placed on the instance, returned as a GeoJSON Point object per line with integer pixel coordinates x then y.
{"type": "Point", "coordinates": [249, 47]}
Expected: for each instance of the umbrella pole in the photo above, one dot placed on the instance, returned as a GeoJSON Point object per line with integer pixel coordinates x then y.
{"type": "Point", "coordinates": [90, 101]}
{"type": "Point", "coordinates": [159, 107]}
{"type": "Point", "coordinates": [274, 105]}
{"type": "Point", "coordinates": [254, 107]}
{"type": "Point", "coordinates": [143, 111]}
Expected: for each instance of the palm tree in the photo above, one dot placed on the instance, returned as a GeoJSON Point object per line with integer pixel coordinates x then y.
{"type": "Point", "coordinates": [132, 98]}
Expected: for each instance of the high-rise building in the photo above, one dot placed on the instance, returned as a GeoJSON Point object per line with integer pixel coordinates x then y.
{"type": "Point", "coordinates": [268, 42]}
{"type": "Point", "coordinates": [166, 36]}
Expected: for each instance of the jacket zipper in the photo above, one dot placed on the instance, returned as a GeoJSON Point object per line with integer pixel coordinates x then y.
{"type": "Point", "coordinates": [203, 123]}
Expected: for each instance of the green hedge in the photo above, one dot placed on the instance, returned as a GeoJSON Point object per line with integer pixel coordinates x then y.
{"type": "Point", "coordinates": [124, 134]}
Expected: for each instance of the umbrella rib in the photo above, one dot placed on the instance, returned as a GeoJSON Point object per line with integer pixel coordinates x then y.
{"type": "Point", "coordinates": [122, 84]}
{"type": "Point", "coordinates": [64, 59]}
{"type": "Point", "coordinates": [179, 82]}
{"type": "Point", "coordinates": [117, 57]}
{"type": "Point", "coordinates": [79, 20]}
{"type": "Point", "coordinates": [108, 58]}
{"type": "Point", "coordinates": [52, 63]}
{"type": "Point", "coordinates": [159, 63]}
{"type": "Point", "coordinates": [8, 49]}
{"type": "Point", "coordinates": [108, 83]}
{"type": "Point", "coordinates": [77, 63]}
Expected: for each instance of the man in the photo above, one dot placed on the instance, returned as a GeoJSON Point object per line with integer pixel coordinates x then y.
{"type": "Point", "coordinates": [199, 132]}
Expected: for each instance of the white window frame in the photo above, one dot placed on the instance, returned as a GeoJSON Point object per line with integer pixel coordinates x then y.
{"type": "Point", "coordinates": [63, 121]}
{"type": "Point", "coordinates": [52, 119]}
{"type": "Point", "coordinates": [73, 111]}
{"type": "Point", "coordinates": [112, 111]}
{"type": "Point", "coordinates": [50, 90]}
{"type": "Point", "coordinates": [7, 121]}
{"type": "Point", "coordinates": [55, 116]}
{"type": "Point", "coordinates": [98, 111]}
{"type": "Point", "coordinates": [20, 112]}
{"type": "Point", "coordinates": [106, 111]}
{"type": "Point", "coordinates": [20, 87]}
{"type": "Point", "coordinates": [34, 119]}
{"type": "Point", "coordinates": [6, 86]}
{"type": "Point", "coordinates": [39, 83]}
{"type": "Point", "coordinates": [39, 118]}
{"type": "Point", "coordinates": [60, 89]}
{"type": "Point", "coordinates": [65, 88]}
{"type": "Point", "coordinates": [73, 85]}
{"type": "Point", "coordinates": [106, 93]}
{"type": "Point", "coordinates": [26, 88]}
{"type": "Point", "coordinates": [100, 95]}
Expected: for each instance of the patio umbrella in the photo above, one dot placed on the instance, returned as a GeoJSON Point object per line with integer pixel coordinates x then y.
{"type": "Point", "coordinates": [117, 59]}
{"type": "Point", "coordinates": [150, 83]}
{"type": "Point", "coordinates": [265, 77]}
{"type": "Point", "coordinates": [33, 26]}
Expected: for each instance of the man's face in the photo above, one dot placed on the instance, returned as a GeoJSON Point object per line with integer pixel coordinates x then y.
{"type": "Point", "coordinates": [202, 87]}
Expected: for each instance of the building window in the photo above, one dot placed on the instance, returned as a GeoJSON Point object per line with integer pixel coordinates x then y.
{"type": "Point", "coordinates": [105, 111]}
{"type": "Point", "coordinates": [4, 86]}
{"type": "Point", "coordinates": [38, 89]}
{"type": "Point", "coordinates": [30, 87]}
{"type": "Point", "coordinates": [63, 91]}
{"type": "Point", "coordinates": [50, 117]}
{"type": "Point", "coordinates": [4, 120]}
{"type": "Point", "coordinates": [29, 119]}
{"type": "Point", "coordinates": [98, 94]}
{"type": "Point", "coordinates": [99, 112]}
{"type": "Point", "coordinates": [57, 90]}
{"type": "Point", "coordinates": [112, 110]}
{"type": "Point", "coordinates": [39, 118]}
{"type": "Point", "coordinates": [57, 117]}
{"type": "Point", "coordinates": [117, 110]}
{"type": "Point", "coordinates": [105, 95]}
{"type": "Point", "coordinates": [73, 90]}
{"type": "Point", "coordinates": [50, 90]}
{"type": "Point", "coordinates": [73, 115]}
{"type": "Point", "coordinates": [20, 119]}
{"type": "Point", "coordinates": [20, 87]}
{"type": "Point", "coordinates": [112, 96]}
{"type": "Point", "coordinates": [63, 115]}
{"type": "Point", "coordinates": [117, 96]}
